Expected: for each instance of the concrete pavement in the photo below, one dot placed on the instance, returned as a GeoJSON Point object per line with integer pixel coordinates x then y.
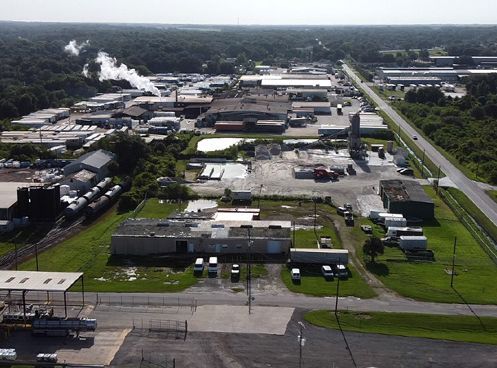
{"type": "Point", "coordinates": [187, 302]}
{"type": "Point", "coordinates": [474, 191]}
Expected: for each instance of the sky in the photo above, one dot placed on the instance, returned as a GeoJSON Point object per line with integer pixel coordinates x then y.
{"type": "Point", "coordinates": [254, 12]}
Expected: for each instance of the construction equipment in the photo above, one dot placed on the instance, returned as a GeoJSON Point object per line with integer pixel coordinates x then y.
{"type": "Point", "coordinates": [323, 173]}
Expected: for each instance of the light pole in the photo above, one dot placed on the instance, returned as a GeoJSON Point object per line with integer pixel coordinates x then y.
{"type": "Point", "coordinates": [336, 297]}
{"type": "Point", "coordinates": [301, 341]}
{"type": "Point", "coordinates": [249, 270]}
{"type": "Point", "coordinates": [453, 264]}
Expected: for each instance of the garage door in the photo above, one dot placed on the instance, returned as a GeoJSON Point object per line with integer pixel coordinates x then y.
{"type": "Point", "coordinates": [273, 247]}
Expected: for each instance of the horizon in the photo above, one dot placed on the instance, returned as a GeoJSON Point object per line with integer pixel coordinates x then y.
{"type": "Point", "coordinates": [260, 13]}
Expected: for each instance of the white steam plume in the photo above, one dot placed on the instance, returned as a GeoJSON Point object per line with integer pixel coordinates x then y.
{"type": "Point", "coordinates": [110, 71]}
{"type": "Point", "coordinates": [72, 48]}
{"type": "Point", "coordinates": [85, 71]}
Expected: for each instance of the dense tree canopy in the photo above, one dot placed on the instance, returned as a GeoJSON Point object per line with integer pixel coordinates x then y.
{"type": "Point", "coordinates": [465, 127]}
{"type": "Point", "coordinates": [36, 72]}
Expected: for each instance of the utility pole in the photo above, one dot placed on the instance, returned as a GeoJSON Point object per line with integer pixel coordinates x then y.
{"type": "Point", "coordinates": [315, 212]}
{"type": "Point", "coordinates": [336, 296]}
{"type": "Point", "coordinates": [249, 269]}
{"type": "Point", "coordinates": [453, 263]}
{"type": "Point", "coordinates": [423, 165]}
{"type": "Point", "coordinates": [438, 178]}
{"type": "Point", "coordinates": [36, 256]}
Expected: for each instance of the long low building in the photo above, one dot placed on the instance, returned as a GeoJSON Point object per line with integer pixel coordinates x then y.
{"type": "Point", "coordinates": [142, 237]}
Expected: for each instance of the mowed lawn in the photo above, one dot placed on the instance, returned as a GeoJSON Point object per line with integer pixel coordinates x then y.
{"type": "Point", "coordinates": [89, 252]}
{"type": "Point", "coordinates": [455, 328]}
{"type": "Point", "coordinates": [313, 283]}
{"type": "Point", "coordinates": [476, 273]}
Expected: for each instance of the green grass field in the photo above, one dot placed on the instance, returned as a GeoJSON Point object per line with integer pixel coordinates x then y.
{"type": "Point", "coordinates": [88, 252]}
{"type": "Point", "coordinates": [313, 283]}
{"type": "Point", "coordinates": [430, 281]}
{"type": "Point", "coordinates": [155, 208]}
{"type": "Point", "coordinates": [455, 328]}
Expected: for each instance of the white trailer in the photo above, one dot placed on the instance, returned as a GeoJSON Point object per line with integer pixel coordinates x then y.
{"type": "Point", "coordinates": [394, 231]}
{"type": "Point", "coordinates": [321, 256]}
{"type": "Point", "coordinates": [395, 222]}
{"type": "Point", "coordinates": [413, 242]}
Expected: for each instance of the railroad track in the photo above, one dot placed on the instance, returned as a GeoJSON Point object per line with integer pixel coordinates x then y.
{"type": "Point", "coordinates": [61, 228]}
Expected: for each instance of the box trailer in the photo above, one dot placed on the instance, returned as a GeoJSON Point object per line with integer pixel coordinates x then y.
{"type": "Point", "coordinates": [321, 256]}
{"type": "Point", "coordinates": [241, 195]}
{"type": "Point", "coordinates": [395, 232]}
{"type": "Point", "coordinates": [413, 242]}
{"type": "Point", "coordinates": [379, 216]}
{"type": "Point", "coordinates": [394, 222]}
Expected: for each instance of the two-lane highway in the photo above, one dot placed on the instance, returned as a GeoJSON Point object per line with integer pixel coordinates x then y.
{"type": "Point", "coordinates": [472, 190]}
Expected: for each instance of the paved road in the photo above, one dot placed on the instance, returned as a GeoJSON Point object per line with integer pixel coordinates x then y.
{"type": "Point", "coordinates": [467, 186]}
{"type": "Point", "coordinates": [387, 303]}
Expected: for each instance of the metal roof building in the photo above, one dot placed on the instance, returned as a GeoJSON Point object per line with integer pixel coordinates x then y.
{"type": "Point", "coordinates": [49, 282]}
{"type": "Point", "coordinates": [96, 161]}
{"type": "Point", "coordinates": [408, 198]}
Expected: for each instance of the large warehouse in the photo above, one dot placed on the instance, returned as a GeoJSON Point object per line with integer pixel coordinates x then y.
{"type": "Point", "coordinates": [246, 109]}
{"type": "Point", "coordinates": [141, 237]}
{"type": "Point", "coordinates": [408, 198]}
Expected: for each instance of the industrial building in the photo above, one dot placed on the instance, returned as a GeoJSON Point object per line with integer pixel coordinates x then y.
{"type": "Point", "coordinates": [97, 162]}
{"type": "Point", "coordinates": [287, 80]}
{"type": "Point", "coordinates": [408, 198]}
{"type": "Point", "coordinates": [246, 109]}
{"type": "Point", "coordinates": [405, 75]}
{"type": "Point", "coordinates": [8, 199]}
{"type": "Point", "coordinates": [141, 237]}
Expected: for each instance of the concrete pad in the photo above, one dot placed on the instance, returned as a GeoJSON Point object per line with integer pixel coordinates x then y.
{"type": "Point", "coordinates": [105, 346]}
{"type": "Point", "coordinates": [236, 319]}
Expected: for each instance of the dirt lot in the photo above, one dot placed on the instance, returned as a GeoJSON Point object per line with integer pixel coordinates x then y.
{"type": "Point", "coordinates": [275, 177]}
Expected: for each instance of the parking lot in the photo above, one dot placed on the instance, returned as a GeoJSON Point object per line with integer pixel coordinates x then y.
{"type": "Point", "coordinates": [322, 348]}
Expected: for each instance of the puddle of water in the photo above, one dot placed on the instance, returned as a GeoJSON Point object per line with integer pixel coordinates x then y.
{"type": "Point", "coordinates": [219, 144]}
{"type": "Point", "coordinates": [200, 205]}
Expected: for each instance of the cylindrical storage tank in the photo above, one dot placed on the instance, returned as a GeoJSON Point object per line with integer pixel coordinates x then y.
{"type": "Point", "coordinates": [75, 207]}
{"type": "Point", "coordinates": [92, 194]}
{"type": "Point", "coordinates": [104, 184]}
{"type": "Point", "coordinates": [97, 206]}
{"type": "Point", "coordinates": [390, 146]}
{"type": "Point", "coordinates": [113, 192]}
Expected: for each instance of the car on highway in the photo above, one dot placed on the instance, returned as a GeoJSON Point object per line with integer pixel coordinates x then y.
{"type": "Point", "coordinates": [415, 137]}
{"type": "Point", "coordinates": [295, 272]}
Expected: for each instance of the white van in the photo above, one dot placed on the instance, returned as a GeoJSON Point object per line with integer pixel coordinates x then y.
{"type": "Point", "coordinates": [199, 265]}
{"type": "Point", "coordinates": [213, 265]}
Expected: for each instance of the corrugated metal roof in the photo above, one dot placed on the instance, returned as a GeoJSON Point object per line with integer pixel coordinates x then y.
{"type": "Point", "coordinates": [38, 281]}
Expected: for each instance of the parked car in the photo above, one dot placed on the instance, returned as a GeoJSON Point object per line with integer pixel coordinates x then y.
{"type": "Point", "coordinates": [368, 229]}
{"type": "Point", "coordinates": [235, 272]}
{"type": "Point", "coordinates": [348, 206]}
{"type": "Point", "coordinates": [408, 172]}
{"type": "Point", "coordinates": [341, 271]}
{"type": "Point", "coordinates": [327, 272]}
{"type": "Point", "coordinates": [295, 272]}
{"type": "Point", "coordinates": [199, 266]}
